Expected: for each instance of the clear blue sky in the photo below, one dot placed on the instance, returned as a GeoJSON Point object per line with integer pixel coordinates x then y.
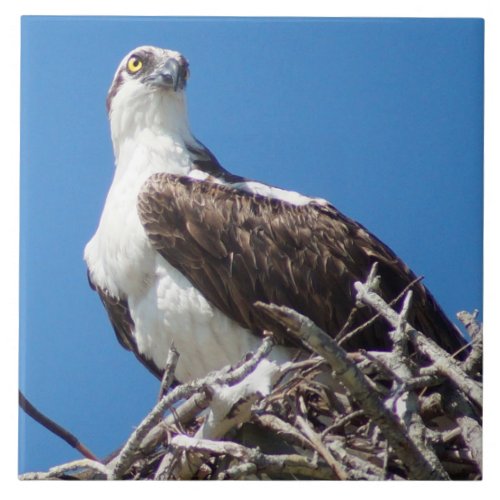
{"type": "Point", "coordinates": [381, 117]}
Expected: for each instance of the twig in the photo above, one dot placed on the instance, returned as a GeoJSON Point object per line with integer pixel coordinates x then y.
{"type": "Point", "coordinates": [457, 406]}
{"type": "Point", "coordinates": [314, 362]}
{"type": "Point", "coordinates": [399, 338]}
{"type": "Point", "coordinates": [347, 324]}
{"type": "Point", "coordinates": [316, 442]}
{"type": "Point", "coordinates": [56, 429]}
{"type": "Point", "coordinates": [248, 366]}
{"type": "Point", "coordinates": [128, 453]}
{"type": "Point", "coordinates": [423, 381]}
{"type": "Point", "coordinates": [184, 414]}
{"type": "Point", "coordinates": [447, 366]}
{"type": "Point", "coordinates": [472, 436]}
{"type": "Point", "coordinates": [341, 422]}
{"type": "Point", "coordinates": [169, 372]}
{"type": "Point", "coordinates": [357, 467]}
{"type": "Point", "coordinates": [169, 462]}
{"type": "Point", "coordinates": [59, 470]}
{"type": "Point", "coordinates": [404, 401]}
{"type": "Point", "coordinates": [362, 327]}
{"type": "Point", "coordinates": [231, 404]}
{"type": "Point", "coordinates": [385, 464]}
{"type": "Point", "coordinates": [380, 360]}
{"type": "Point", "coordinates": [475, 330]}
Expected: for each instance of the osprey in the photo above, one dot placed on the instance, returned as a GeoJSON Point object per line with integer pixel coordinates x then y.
{"type": "Point", "coordinates": [184, 248]}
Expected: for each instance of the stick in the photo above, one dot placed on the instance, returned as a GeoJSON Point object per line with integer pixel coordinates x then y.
{"type": "Point", "coordinates": [475, 330]}
{"type": "Point", "coordinates": [168, 374]}
{"type": "Point", "coordinates": [59, 470]}
{"type": "Point", "coordinates": [342, 338]}
{"type": "Point", "coordinates": [56, 429]}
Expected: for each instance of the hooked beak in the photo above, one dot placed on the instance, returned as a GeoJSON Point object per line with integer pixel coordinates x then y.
{"type": "Point", "coordinates": [172, 75]}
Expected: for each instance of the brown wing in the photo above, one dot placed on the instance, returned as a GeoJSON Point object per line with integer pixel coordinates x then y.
{"type": "Point", "coordinates": [123, 326]}
{"type": "Point", "coordinates": [238, 248]}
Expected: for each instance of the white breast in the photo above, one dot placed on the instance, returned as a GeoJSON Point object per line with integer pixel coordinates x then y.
{"type": "Point", "coordinates": [173, 310]}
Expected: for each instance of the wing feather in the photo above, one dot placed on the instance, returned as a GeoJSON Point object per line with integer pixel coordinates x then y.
{"type": "Point", "coordinates": [238, 248]}
{"type": "Point", "coordinates": [123, 326]}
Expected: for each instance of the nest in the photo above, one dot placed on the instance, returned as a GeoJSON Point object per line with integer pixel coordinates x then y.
{"type": "Point", "coordinates": [413, 412]}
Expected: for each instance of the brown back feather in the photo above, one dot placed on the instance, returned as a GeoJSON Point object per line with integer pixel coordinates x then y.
{"type": "Point", "coordinates": [238, 248]}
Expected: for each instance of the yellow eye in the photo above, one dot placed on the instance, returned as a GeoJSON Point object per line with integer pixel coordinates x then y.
{"type": "Point", "coordinates": [134, 64]}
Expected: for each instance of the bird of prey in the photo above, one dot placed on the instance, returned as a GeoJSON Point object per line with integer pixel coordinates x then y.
{"type": "Point", "coordinates": [184, 249]}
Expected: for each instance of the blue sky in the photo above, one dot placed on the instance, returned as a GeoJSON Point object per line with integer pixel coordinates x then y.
{"type": "Point", "coordinates": [381, 117]}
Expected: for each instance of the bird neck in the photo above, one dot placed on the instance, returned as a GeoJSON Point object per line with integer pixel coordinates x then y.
{"type": "Point", "coordinates": [153, 121]}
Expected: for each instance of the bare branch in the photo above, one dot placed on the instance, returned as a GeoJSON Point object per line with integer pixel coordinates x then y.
{"type": "Point", "coordinates": [184, 413]}
{"type": "Point", "coordinates": [447, 366]}
{"type": "Point", "coordinates": [342, 338]}
{"type": "Point", "coordinates": [475, 330]}
{"type": "Point", "coordinates": [58, 471]}
{"type": "Point", "coordinates": [317, 444]}
{"type": "Point", "coordinates": [169, 372]}
{"type": "Point", "coordinates": [55, 428]}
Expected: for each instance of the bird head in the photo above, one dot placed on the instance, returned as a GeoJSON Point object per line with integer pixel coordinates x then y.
{"type": "Point", "coordinates": [147, 92]}
{"type": "Point", "coordinates": [146, 71]}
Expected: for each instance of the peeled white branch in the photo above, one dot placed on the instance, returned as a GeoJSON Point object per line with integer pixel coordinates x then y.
{"type": "Point", "coordinates": [59, 470]}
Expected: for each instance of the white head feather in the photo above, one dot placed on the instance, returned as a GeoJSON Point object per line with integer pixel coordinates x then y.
{"type": "Point", "coordinates": [143, 100]}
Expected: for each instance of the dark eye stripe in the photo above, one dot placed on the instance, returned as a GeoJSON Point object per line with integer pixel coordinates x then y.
{"type": "Point", "coordinates": [117, 83]}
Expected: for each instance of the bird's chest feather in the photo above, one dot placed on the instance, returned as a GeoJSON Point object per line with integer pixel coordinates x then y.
{"type": "Point", "coordinates": [119, 256]}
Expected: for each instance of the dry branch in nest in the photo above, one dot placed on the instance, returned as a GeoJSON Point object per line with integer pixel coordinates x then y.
{"type": "Point", "coordinates": [365, 415]}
